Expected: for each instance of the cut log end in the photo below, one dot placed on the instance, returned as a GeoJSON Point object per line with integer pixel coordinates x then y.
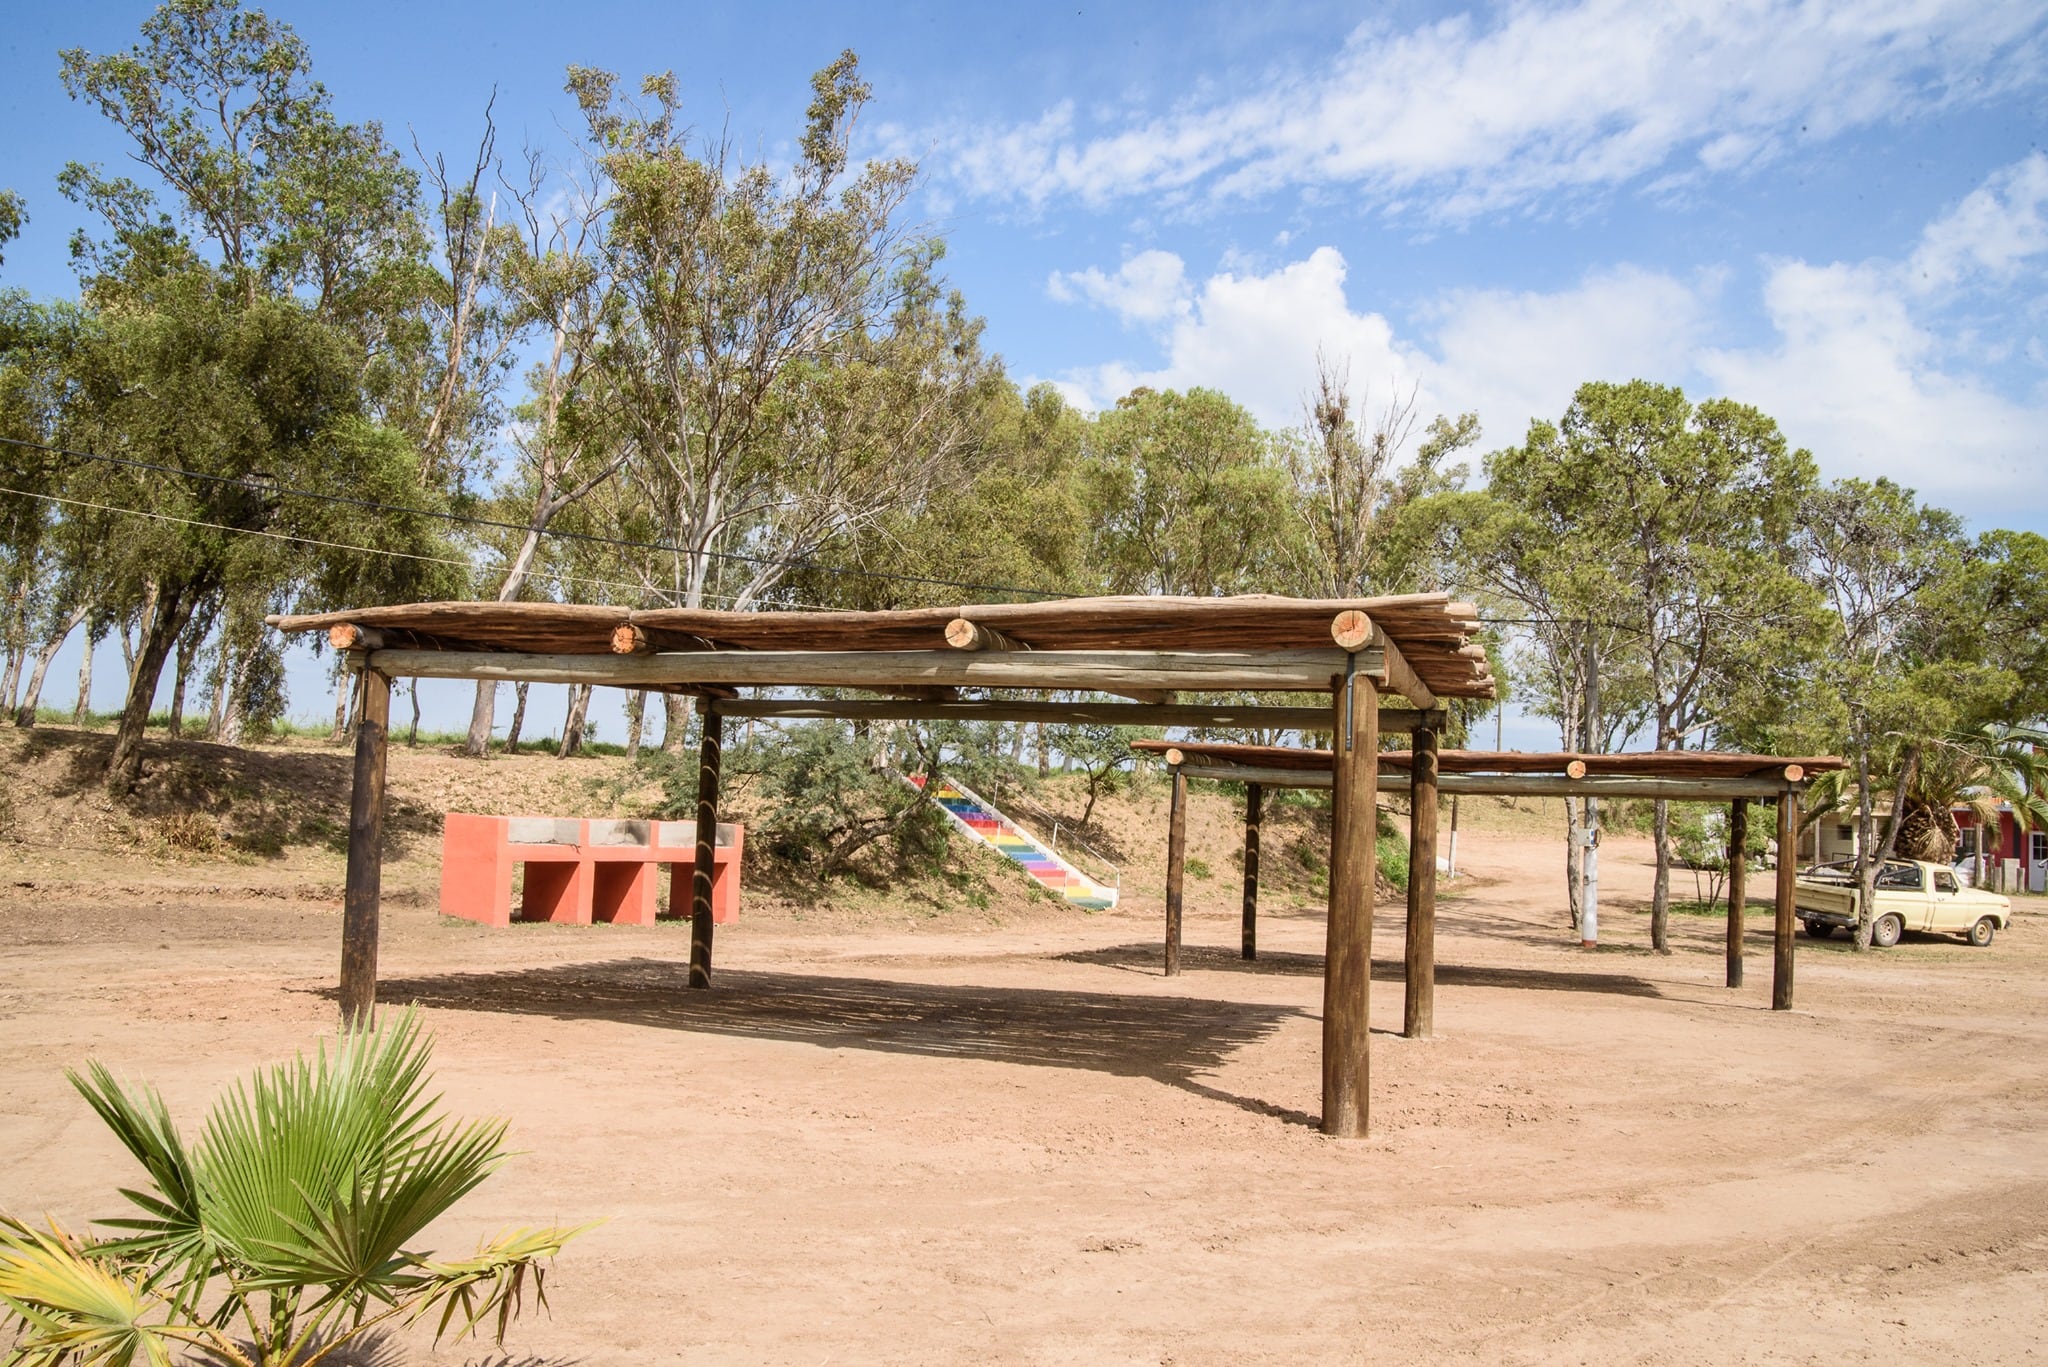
{"type": "Point", "coordinates": [628, 639]}
{"type": "Point", "coordinates": [961, 634]}
{"type": "Point", "coordinates": [1794, 772]}
{"type": "Point", "coordinates": [348, 636]}
{"type": "Point", "coordinates": [1351, 629]}
{"type": "Point", "coordinates": [1576, 769]}
{"type": "Point", "coordinates": [1174, 758]}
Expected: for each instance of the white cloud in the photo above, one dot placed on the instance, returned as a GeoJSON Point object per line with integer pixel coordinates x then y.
{"type": "Point", "coordinates": [1511, 356]}
{"type": "Point", "coordinates": [1148, 288]}
{"type": "Point", "coordinates": [1855, 378]}
{"type": "Point", "coordinates": [1474, 116]}
{"type": "Point", "coordinates": [1254, 336]}
{"type": "Point", "coordinates": [1862, 363]}
{"type": "Point", "coordinates": [1991, 233]}
{"type": "Point", "coordinates": [1507, 355]}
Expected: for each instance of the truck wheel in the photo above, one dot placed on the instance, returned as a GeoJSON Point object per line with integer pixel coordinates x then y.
{"type": "Point", "coordinates": [1885, 933]}
{"type": "Point", "coordinates": [1981, 933]}
{"type": "Point", "coordinates": [1818, 930]}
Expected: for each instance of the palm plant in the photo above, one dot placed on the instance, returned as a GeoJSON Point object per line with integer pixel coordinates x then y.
{"type": "Point", "coordinates": [1981, 769]}
{"type": "Point", "coordinates": [283, 1233]}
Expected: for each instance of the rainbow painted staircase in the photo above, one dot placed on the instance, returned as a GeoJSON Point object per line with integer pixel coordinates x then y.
{"type": "Point", "coordinates": [981, 821]}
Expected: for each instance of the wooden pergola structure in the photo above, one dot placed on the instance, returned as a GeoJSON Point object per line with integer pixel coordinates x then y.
{"type": "Point", "coordinates": [927, 664]}
{"type": "Point", "coordinates": [1425, 772]}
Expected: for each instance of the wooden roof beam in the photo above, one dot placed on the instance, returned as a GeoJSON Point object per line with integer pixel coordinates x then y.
{"type": "Point", "coordinates": [882, 670]}
{"type": "Point", "coordinates": [1514, 785]}
{"type": "Point", "coordinates": [1207, 716]}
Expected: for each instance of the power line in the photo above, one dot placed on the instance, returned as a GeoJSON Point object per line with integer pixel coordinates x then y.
{"type": "Point", "coordinates": [591, 538]}
{"type": "Point", "coordinates": [561, 576]}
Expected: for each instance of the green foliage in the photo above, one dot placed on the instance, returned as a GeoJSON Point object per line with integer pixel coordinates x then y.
{"type": "Point", "coordinates": [1364, 501]}
{"type": "Point", "coordinates": [1187, 497]}
{"type": "Point", "coordinates": [291, 1218]}
{"type": "Point", "coordinates": [831, 796]}
{"type": "Point", "coordinates": [1197, 868]}
{"type": "Point", "coordinates": [12, 216]}
{"type": "Point", "coordinates": [1391, 850]}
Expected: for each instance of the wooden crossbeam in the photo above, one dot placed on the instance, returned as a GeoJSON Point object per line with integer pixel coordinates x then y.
{"type": "Point", "coordinates": [1204, 716]}
{"type": "Point", "coordinates": [1079, 670]}
{"type": "Point", "coordinates": [1514, 785]}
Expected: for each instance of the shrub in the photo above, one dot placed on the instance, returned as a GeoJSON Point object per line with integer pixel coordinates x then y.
{"type": "Point", "coordinates": [289, 1219]}
{"type": "Point", "coordinates": [189, 833]}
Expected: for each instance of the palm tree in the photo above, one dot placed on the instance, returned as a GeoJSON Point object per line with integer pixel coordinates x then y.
{"type": "Point", "coordinates": [1981, 769]}
{"type": "Point", "coordinates": [282, 1234]}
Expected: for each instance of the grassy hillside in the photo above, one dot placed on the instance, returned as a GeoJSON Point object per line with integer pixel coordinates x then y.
{"type": "Point", "coordinates": [271, 820]}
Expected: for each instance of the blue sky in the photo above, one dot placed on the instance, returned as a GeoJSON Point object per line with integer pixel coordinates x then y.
{"type": "Point", "coordinates": [1837, 212]}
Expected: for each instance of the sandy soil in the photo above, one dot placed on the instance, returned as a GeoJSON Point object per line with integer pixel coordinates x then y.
{"type": "Point", "coordinates": [932, 1141]}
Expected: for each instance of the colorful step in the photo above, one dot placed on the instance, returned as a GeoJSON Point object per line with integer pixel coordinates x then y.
{"type": "Point", "coordinates": [982, 821]}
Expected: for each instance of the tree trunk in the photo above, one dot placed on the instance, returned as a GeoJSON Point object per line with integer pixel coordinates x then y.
{"type": "Point", "coordinates": [1574, 863]}
{"type": "Point", "coordinates": [412, 735]}
{"type": "Point", "coordinates": [676, 716]}
{"type": "Point", "coordinates": [25, 714]}
{"type": "Point", "coordinates": [1044, 753]}
{"type": "Point", "coordinates": [16, 642]}
{"type": "Point", "coordinates": [189, 642]}
{"type": "Point", "coordinates": [1660, 895]}
{"type": "Point", "coordinates": [482, 716]}
{"type": "Point", "coordinates": [217, 715]}
{"type": "Point", "coordinates": [83, 707]}
{"type": "Point", "coordinates": [344, 690]}
{"type": "Point", "coordinates": [172, 606]}
{"type": "Point", "coordinates": [636, 721]}
{"type": "Point", "coordinates": [572, 725]}
{"type": "Point", "coordinates": [518, 718]}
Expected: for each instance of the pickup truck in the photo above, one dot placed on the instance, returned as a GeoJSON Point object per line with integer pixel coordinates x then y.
{"type": "Point", "coordinates": [1910, 896]}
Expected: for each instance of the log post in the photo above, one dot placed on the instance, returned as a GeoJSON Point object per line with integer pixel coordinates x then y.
{"type": "Point", "coordinates": [1347, 946]}
{"type": "Point", "coordinates": [1418, 1013]}
{"type": "Point", "coordinates": [707, 844]}
{"type": "Point", "coordinates": [1254, 804]}
{"type": "Point", "coordinates": [1738, 884]}
{"type": "Point", "coordinates": [363, 892]}
{"type": "Point", "coordinates": [1176, 868]}
{"type": "Point", "coordinates": [1788, 869]}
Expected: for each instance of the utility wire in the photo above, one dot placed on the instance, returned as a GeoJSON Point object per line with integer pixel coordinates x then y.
{"type": "Point", "coordinates": [561, 576]}
{"type": "Point", "coordinates": [592, 538]}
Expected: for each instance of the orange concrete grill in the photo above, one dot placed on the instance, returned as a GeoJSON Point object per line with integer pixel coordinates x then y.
{"type": "Point", "coordinates": [579, 872]}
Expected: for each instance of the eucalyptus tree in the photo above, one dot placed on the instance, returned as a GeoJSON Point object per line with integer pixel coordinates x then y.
{"type": "Point", "coordinates": [1898, 675]}
{"type": "Point", "coordinates": [559, 282]}
{"type": "Point", "coordinates": [251, 177]}
{"type": "Point", "coordinates": [1358, 484]}
{"type": "Point", "coordinates": [1673, 522]}
{"type": "Point", "coordinates": [784, 360]}
{"type": "Point", "coordinates": [215, 418]}
{"type": "Point", "coordinates": [1188, 495]}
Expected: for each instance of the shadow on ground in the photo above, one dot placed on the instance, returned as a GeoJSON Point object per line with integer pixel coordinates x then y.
{"type": "Point", "coordinates": [1146, 957]}
{"type": "Point", "coordinates": [1168, 1039]}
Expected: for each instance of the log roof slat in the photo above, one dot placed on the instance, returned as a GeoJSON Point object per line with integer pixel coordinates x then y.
{"type": "Point", "coordinates": [1638, 764]}
{"type": "Point", "coordinates": [1432, 632]}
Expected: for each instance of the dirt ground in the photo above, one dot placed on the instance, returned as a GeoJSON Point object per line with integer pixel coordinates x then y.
{"type": "Point", "coordinates": [1013, 1141]}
